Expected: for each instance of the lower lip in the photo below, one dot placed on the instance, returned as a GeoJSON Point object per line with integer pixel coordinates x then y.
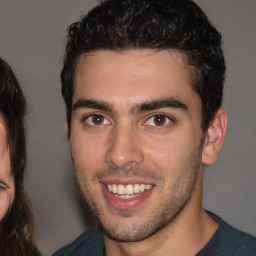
{"type": "Point", "coordinates": [125, 204]}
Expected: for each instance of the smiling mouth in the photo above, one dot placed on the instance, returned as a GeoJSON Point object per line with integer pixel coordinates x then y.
{"type": "Point", "coordinates": [127, 191]}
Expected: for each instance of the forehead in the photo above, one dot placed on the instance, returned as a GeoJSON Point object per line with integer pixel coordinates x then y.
{"type": "Point", "coordinates": [133, 76]}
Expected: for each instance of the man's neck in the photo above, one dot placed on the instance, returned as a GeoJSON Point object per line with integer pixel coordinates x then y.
{"type": "Point", "coordinates": [186, 236]}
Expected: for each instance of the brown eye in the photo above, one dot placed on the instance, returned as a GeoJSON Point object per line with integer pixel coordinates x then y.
{"type": "Point", "coordinates": [159, 120]}
{"type": "Point", "coordinates": [97, 119]}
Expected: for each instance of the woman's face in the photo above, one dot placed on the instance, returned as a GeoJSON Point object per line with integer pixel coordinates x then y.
{"type": "Point", "coordinates": [7, 189]}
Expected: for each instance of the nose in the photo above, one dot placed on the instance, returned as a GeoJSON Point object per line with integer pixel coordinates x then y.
{"type": "Point", "coordinates": [124, 149]}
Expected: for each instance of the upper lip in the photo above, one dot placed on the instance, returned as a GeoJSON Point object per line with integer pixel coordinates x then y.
{"type": "Point", "coordinates": [125, 181]}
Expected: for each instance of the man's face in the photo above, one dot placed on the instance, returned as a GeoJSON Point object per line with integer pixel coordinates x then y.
{"type": "Point", "coordinates": [136, 139]}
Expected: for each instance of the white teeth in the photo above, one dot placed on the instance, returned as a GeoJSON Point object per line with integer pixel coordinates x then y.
{"type": "Point", "coordinates": [126, 196]}
{"type": "Point", "coordinates": [147, 187]}
{"type": "Point", "coordinates": [114, 188]}
{"type": "Point", "coordinates": [128, 191]}
{"type": "Point", "coordinates": [109, 187]}
{"type": "Point", "coordinates": [120, 189]}
{"type": "Point", "coordinates": [136, 188]}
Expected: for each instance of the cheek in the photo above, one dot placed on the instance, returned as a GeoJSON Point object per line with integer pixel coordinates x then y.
{"type": "Point", "coordinates": [5, 203]}
{"type": "Point", "coordinates": [172, 153]}
{"type": "Point", "coordinates": [87, 152]}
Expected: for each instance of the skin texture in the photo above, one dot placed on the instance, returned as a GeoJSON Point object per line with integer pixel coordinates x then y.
{"type": "Point", "coordinates": [117, 137]}
{"type": "Point", "coordinates": [6, 194]}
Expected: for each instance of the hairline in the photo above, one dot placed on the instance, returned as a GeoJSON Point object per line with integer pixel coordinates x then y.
{"type": "Point", "coordinates": [193, 72]}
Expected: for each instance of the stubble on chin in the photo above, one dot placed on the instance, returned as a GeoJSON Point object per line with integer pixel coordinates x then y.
{"type": "Point", "coordinates": [164, 213]}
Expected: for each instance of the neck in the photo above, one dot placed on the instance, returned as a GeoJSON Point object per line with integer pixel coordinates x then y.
{"type": "Point", "coordinates": [186, 235]}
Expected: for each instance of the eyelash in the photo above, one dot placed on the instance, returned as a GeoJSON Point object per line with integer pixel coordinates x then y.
{"type": "Point", "coordinates": [86, 118]}
{"type": "Point", "coordinates": [167, 120]}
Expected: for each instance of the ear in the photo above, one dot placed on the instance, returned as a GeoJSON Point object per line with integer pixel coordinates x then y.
{"type": "Point", "coordinates": [215, 136]}
{"type": "Point", "coordinates": [66, 129]}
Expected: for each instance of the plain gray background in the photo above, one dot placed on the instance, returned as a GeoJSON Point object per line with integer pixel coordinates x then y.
{"type": "Point", "coordinates": [32, 41]}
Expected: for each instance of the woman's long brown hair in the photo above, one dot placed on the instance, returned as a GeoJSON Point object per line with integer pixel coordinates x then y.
{"type": "Point", "coordinates": [16, 229]}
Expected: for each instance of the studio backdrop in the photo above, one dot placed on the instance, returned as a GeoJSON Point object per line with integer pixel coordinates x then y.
{"type": "Point", "coordinates": [32, 41]}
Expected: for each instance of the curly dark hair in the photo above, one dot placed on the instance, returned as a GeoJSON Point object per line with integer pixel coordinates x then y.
{"type": "Point", "coordinates": [17, 226]}
{"type": "Point", "coordinates": [149, 24]}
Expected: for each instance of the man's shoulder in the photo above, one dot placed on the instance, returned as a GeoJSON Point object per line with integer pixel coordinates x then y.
{"type": "Point", "coordinates": [241, 243]}
{"type": "Point", "coordinates": [229, 241]}
{"type": "Point", "coordinates": [87, 244]}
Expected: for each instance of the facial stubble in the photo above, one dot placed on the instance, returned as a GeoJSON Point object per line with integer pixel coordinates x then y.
{"type": "Point", "coordinates": [169, 207]}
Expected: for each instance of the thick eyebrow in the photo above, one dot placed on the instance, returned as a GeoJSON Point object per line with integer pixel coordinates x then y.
{"type": "Point", "coordinates": [162, 103]}
{"type": "Point", "coordinates": [92, 104]}
{"type": "Point", "coordinates": [145, 106]}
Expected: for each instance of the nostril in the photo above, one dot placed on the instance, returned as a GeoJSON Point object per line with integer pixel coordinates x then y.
{"type": "Point", "coordinates": [122, 159]}
{"type": "Point", "coordinates": [124, 149]}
